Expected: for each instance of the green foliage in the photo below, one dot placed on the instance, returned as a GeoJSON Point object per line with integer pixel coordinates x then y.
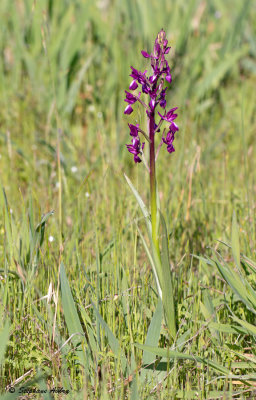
{"type": "Point", "coordinates": [4, 336]}
{"type": "Point", "coordinates": [239, 281]}
{"type": "Point", "coordinates": [75, 329]}
{"type": "Point", "coordinates": [161, 268]}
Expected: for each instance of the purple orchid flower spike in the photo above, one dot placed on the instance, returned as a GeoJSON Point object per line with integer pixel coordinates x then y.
{"type": "Point", "coordinates": [153, 87]}
{"type": "Point", "coordinates": [152, 96]}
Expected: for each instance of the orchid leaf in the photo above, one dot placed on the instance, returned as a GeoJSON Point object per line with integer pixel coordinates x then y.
{"type": "Point", "coordinates": [167, 287]}
{"type": "Point", "coordinates": [141, 203]}
{"type": "Point", "coordinates": [154, 265]}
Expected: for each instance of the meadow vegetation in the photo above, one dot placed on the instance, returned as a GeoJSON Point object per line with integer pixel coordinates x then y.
{"type": "Point", "coordinates": [77, 295]}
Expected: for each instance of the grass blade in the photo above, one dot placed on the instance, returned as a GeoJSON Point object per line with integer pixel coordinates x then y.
{"type": "Point", "coordinates": [113, 342]}
{"type": "Point", "coordinates": [209, 312]}
{"type": "Point", "coordinates": [71, 315]}
{"type": "Point", "coordinates": [155, 267]}
{"type": "Point", "coordinates": [170, 354]}
{"type": "Point", "coordinates": [167, 288]}
{"type": "Point", "coordinates": [4, 337]}
{"type": "Point", "coordinates": [235, 241]}
{"type": "Point", "coordinates": [226, 328]}
{"type": "Point", "coordinates": [241, 288]}
{"type": "Point", "coordinates": [141, 203]}
{"type": "Point", "coordinates": [251, 329]}
{"type": "Point", "coordinates": [153, 333]}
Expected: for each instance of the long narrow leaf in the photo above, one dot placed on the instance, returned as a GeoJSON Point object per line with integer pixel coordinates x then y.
{"type": "Point", "coordinates": [153, 333]}
{"type": "Point", "coordinates": [154, 266]}
{"type": "Point", "coordinates": [4, 336]}
{"type": "Point", "coordinates": [244, 292]}
{"type": "Point", "coordinates": [226, 328]}
{"type": "Point", "coordinates": [209, 312]}
{"type": "Point", "coordinates": [167, 288]}
{"type": "Point", "coordinates": [113, 342]}
{"type": "Point", "coordinates": [141, 203]}
{"type": "Point", "coordinates": [249, 327]}
{"type": "Point", "coordinates": [235, 241]}
{"type": "Point", "coordinates": [170, 354]}
{"type": "Point", "coordinates": [71, 315]}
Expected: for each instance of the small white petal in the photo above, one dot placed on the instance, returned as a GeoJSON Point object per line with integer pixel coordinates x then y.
{"type": "Point", "coordinates": [91, 108]}
{"type": "Point", "coordinates": [74, 169]}
{"type": "Point", "coordinates": [51, 239]}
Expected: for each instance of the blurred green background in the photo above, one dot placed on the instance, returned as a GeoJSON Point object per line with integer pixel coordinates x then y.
{"type": "Point", "coordinates": [63, 70]}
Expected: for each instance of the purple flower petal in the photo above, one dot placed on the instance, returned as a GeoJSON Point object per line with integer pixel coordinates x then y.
{"type": "Point", "coordinates": [169, 140]}
{"type": "Point", "coordinates": [152, 104]}
{"type": "Point", "coordinates": [133, 85]}
{"type": "Point", "coordinates": [153, 78]}
{"type": "Point", "coordinates": [135, 74]}
{"type": "Point", "coordinates": [128, 110]}
{"type": "Point", "coordinates": [157, 49]}
{"type": "Point", "coordinates": [170, 148]}
{"type": "Point", "coordinates": [172, 110]}
{"type": "Point", "coordinates": [135, 148]}
{"type": "Point", "coordinates": [134, 129]}
{"type": "Point", "coordinates": [145, 88]}
{"type": "Point", "coordinates": [170, 116]}
{"type": "Point", "coordinates": [173, 127]}
{"type": "Point", "coordinates": [145, 54]}
{"type": "Point", "coordinates": [138, 76]}
{"type": "Point", "coordinates": [162, 100]}
{"type": "Point", "coordinates": [137, 159]}
{"type": "Point", "coordinates": [162, 103]}
{"type": "Point", "coordinates": [130, 98]}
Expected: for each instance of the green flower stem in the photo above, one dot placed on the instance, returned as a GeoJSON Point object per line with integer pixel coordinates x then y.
{"type": "Point", "coordinates": [152, 172]}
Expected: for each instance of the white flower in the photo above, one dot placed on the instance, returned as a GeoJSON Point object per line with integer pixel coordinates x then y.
{"type": "Point", "coordinates": [74, 169]}
{"type": "Point", "coordinates": [91, 108]}
{"type": "Point", "coordinates": [51, 239]}
{"type": "Point", "coordinates": [87, 194]}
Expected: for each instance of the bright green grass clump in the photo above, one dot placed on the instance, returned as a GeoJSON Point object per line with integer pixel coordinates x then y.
{"type": "Point", "coordinates": [77, 296]}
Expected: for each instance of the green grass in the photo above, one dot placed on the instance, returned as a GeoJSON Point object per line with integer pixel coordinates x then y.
{"type": "Point", "coordinates": [75, 311]}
